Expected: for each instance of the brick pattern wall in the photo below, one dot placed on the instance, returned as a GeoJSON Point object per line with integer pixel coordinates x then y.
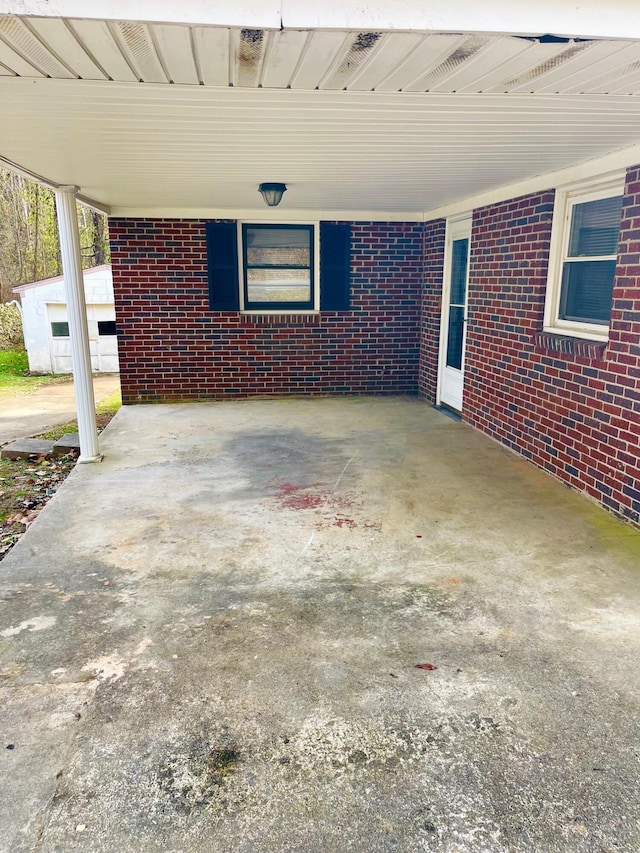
{"type": "Point", "coordinates": [434, 242]}
{"type": "Point", "coordinates": [173, 347]}
{"type": "Point", "coordinates": [572, 409]}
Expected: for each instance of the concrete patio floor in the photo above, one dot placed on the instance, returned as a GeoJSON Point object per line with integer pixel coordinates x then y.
{"type": "Point", "coordinates": [209, 642]}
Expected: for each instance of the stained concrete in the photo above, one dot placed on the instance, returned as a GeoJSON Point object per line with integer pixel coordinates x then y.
{"type": "Point", "coordinates": [209, 641]}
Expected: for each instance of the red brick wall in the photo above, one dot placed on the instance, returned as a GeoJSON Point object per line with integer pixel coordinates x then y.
{"type": "Point", "coordinates": [173, 347]}
{"type": "Point", "coordinates": [434, 241]}
{"type": "Point", "coordinates": [571, 407]}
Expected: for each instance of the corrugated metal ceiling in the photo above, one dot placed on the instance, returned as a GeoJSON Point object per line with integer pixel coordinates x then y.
{"type": "Point", "coordinates": [357, 61]}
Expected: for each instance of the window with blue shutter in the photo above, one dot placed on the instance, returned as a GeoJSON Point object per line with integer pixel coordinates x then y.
{"type": "Point", "coordinates": [274, 267]}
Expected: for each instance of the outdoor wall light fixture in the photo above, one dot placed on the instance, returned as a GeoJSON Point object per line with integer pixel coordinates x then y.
{"type": "Point", "coordinates": [272, 193]}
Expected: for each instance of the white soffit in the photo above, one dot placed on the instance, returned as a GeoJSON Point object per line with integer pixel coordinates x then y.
{"type": "Point", "coordinates": [165, 117]}
{"type": "Point", "coordinates": [129, 51]}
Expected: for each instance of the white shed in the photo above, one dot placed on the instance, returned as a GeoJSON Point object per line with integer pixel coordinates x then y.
{"type": "Point", "coordinates": [46, 327]}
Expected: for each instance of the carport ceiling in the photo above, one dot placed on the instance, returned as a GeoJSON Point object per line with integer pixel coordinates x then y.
{"type": "Point", "coordinates": [172, 119]}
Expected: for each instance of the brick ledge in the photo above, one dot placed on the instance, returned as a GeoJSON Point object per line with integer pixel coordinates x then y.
{"type": "Point", "coordinates": [280, 319]}
{"type": "Point", "coordinates": [572, 346]}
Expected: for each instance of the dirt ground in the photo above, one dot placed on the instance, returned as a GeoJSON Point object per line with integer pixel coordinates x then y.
{"type": "Point", "coordinates": [26, 485]}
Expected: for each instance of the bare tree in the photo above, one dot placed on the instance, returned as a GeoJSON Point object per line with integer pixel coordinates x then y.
{"type": "Point", "coordinates": [29, 246]}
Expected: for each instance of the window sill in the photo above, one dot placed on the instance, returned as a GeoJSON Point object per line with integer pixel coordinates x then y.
{"type": "Point", "coordinates": [581, 347]}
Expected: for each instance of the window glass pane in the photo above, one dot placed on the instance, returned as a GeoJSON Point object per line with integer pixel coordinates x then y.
{"type": "Point", "coordinates": [278, 265]}
{"type": "Point", "coordinates": [60, 330]}
{"type": "Point", "coordinates": [106, 327]}
{"type": "Point", "coordinates": [278, 285]}
{"type": "Point", "coordinates": [454, 341]}
{"type": "Point", "coordinates": [459, 271]}
{"type": "Point", "coordinates": [278, 247]}
{"type": "Point", "coordinates": [586, 291]}
{"type": "Point", "coordinates": [595, 227]}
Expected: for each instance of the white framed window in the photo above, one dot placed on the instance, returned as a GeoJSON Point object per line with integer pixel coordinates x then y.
{"type": "Point", "coordinates": [278, 266]}
{"type": "Point", "coordinates": [584, 246]}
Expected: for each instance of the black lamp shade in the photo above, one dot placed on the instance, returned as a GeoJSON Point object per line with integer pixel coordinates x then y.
{"type": "Point", "coordinates": [272, 193]}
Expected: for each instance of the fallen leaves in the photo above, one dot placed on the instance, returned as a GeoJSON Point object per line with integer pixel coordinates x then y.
{"type": "Point", "coordinates": [27, 485]}
{"type": "Point", "coordinates": [429, 666]}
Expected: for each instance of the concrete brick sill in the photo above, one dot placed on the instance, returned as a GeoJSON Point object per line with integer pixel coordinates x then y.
{"type": "Point", "coordinates": [580, 347]}
{"type": "Point", "coordinates": [281, 319]}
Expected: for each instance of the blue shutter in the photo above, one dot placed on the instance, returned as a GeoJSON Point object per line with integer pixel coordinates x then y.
{"type": "Point", "coordinates": [335, 266]}
{"type": "Point", "coordinates": [222, 264]}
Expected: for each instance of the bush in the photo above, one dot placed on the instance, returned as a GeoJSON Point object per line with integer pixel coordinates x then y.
{"type": "Point", "coordinates": [11, 336]}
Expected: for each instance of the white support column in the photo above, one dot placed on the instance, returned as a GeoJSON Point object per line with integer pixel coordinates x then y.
{"type": "Point", "coordinates": [77, 315]}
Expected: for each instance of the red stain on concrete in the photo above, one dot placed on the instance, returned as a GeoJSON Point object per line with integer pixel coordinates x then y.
{"type": "Point", "coordinates": [297, 497]}
{"type": "Point", "coordinates": [343, 521]}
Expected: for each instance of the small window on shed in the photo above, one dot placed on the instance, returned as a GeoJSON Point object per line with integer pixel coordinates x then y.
{"type": "Point", "coordinates": [107, 327]}
{"type": "Point", "coordinates": [59, 330]}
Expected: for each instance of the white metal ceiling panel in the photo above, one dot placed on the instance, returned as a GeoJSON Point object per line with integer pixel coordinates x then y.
{"type": "Point", "coordinates": [613, 75]}
{"type": "Point", "coordinates": [471, 72]}
{"type": "Point", "coordinates": [259, 115]}
{"type": "Point", "coordinates": [97, 39]}
{"type": "Point", "coordinates": [333, 60]}
{"type": "Point", "coordinates": [212, 54]}
{"type": "Point", "coordinates": [248, 51]}
{"type": "Point", "coordinates": [531, 53]}
{"type": "Point", "coordinates": [285, 50]}
{"type": "Point", "coordinates": [628, 84]}
{"type": "Point", "coordinates": [465, 51]}
{"type": "Point", "coordinates": [558, 76]}
{"type": "Point", "coordinates": [137, 41]}
{"type": "Point", "coordinates": [610, 60]}
{"type": "Point", "coordinates": [360, 53]}
{"type": "Point", "coordinates": [391, 50]}
{"type": "Point", "coordinates": [176, 49]}
{"type": "Point", "coordinates": [319, 56]}
{"type": "Point", "coordinates": [60, 39]}
{"type": "Point", "coordinates": [190, 147]}
{"type": "Point", "coordinates": [430, 52]}
{"type": "Point", "coordinates": [527, 81]}
{"type": "Point", "coordinates": [18, 35]}
{"type": "Point", "coordinates": [19, 66]}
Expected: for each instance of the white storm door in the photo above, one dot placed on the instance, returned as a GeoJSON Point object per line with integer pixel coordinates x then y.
{"type": "Point", "coordinates": [454, 313]}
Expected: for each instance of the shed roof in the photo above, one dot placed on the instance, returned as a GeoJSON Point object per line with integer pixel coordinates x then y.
{"type": "Point", "coordinates": [44, 282]}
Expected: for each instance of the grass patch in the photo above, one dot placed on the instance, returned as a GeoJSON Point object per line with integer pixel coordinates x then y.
{"type": "Point", "coordinates": [105, 410]}
{"type": "Point", "coordinates": [15, 376]}
{"type": "Point", "coordinates": [57, 432]}
{"type": "Point", "coordinates": [110, 404]}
